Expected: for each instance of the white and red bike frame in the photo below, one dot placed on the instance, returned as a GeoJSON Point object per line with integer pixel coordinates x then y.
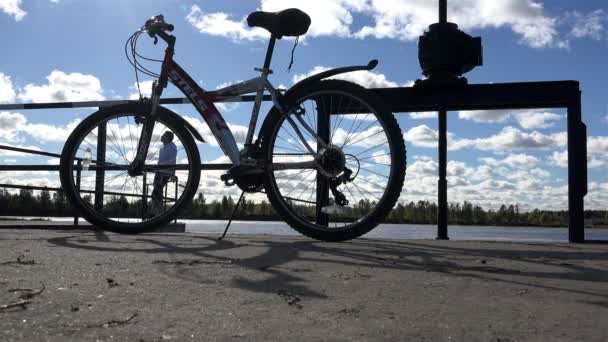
{"type": "Point", "coordinates": [203, 101]}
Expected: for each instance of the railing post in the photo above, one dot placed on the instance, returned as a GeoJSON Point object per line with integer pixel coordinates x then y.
{"type": "Point", "coordinates": [442, 183]}
{"type": "Point", "coordinates": [323, 122]}
{"type": "Point", "coordinates": [78, 176]}
{"type": "Point", "coordinates": [577, 171]}
{"type": "Point", "coordinates": [175, 200]}
{"type": "Point", "coordinates": [165, 196]}
{"type": "Point", "coordinates": [100, 172]}
{"type": "Point", "coordinates": [144, 197]}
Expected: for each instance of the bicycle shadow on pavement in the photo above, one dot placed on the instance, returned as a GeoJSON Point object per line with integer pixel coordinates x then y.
{"type": "Point", "coordinates": [271, 264]}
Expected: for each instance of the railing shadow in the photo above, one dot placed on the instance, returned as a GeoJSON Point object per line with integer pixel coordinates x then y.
{"type": "Point", "coordinates": [272, 272]}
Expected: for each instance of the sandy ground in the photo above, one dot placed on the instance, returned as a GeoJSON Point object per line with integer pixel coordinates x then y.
{"type": "Point", "coordinates": [93, 286]}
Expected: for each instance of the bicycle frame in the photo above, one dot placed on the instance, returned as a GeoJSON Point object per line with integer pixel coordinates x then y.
{"type": "Point", "coordinates": [203, 101]}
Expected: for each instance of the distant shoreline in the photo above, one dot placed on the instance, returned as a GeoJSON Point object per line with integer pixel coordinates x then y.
{"type": "Point", "coordinates": [257, 219]}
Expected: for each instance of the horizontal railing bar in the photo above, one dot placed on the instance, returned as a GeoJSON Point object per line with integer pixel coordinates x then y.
{"type": "Point", "coordinates": [23, 167]}
{"type": "Point", "coordinates": [42, 188]}
{"type": "Point", "coordinates": [29, 151]}
{"type": "Point", "coordinates": [89, 104]}
{"type": "Point", "coordinates": [551, 94]}
{"type": "Point", "coordinates": [29, 187]}
{"type": "Point", "coordinates": [521, 95]}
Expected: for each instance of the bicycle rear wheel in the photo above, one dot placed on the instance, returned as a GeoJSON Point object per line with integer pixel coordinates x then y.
{"type": "Point", "coordinates": [96, 181]}
{"type": "Point", "coordinates": [359, 174]}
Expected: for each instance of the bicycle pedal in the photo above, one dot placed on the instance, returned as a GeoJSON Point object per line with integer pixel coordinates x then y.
{"type": "Point", "coordinates": [228, 179]}
{"type": "Point", "coordinates": [338, 210]}
{"type": "Point", "coordinates": [242, 170]}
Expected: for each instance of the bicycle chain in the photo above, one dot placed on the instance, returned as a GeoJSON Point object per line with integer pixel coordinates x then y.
{"type": "Point", "coordinates": [292, 154]}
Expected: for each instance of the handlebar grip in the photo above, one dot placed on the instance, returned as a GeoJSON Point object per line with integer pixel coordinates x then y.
{"type": "Point", "coordinates": [169, 27]}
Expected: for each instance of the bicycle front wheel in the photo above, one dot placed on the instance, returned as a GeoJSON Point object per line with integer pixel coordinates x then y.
{"type": "Point", "coordinates": [359, 172]}
{"type": "Point", "coordinates": [95, 174]}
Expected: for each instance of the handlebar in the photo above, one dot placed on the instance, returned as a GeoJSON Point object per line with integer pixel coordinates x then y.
{"type": "Point", "coordinates": [157, 25]}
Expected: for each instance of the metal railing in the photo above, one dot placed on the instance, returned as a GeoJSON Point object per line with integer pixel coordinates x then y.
{"type": "Point", "coordinates": [524, 95]}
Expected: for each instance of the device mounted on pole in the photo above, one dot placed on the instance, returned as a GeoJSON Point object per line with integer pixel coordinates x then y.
{"type": "Point", "coordinates": [446, 53]}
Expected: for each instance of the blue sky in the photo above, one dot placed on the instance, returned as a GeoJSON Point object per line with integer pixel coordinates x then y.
{"type": "Point", "coordinates": [73, 50]}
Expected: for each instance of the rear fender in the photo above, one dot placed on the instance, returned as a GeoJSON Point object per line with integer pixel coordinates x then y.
{"type": "Point", "coordinates": [332, 72]}
{"type": "Point", "coordinates": [307, 82]}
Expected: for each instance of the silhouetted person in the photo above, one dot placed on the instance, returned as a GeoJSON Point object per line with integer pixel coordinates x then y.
{"type": "Point", "coordinates": [167, 156]}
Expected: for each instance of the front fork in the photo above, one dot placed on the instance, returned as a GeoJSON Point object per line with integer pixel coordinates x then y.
{"type": "Point", "coordinates": [137, 165]}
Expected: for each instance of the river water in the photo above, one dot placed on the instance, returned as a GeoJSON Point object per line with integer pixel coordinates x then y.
{"type": "Point", "coordinates": [394, 231]}
{"type": "Point", "coordinates": [407, 231]}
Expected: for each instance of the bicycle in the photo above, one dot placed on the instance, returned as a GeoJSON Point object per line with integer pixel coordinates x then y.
{"type": "Point", "coordinates": [329, 155]}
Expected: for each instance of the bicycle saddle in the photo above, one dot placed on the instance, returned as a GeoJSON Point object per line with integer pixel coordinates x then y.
{"type": "Point", "coordinates": [290, 22]}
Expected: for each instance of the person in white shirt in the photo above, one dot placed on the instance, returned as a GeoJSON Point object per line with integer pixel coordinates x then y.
{"type": "Point", "coordinates": [167, 156]}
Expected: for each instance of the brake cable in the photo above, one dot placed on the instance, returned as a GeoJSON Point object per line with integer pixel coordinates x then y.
{"type": "Point", "coordinates": [293, 50]}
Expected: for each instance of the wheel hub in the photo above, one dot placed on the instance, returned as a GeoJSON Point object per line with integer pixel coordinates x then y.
{"type": "Point", "coordinates": [331, 161]}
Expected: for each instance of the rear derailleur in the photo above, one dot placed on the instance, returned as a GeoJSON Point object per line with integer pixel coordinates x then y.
{"type": "Point", "coordinates": [335, 182]}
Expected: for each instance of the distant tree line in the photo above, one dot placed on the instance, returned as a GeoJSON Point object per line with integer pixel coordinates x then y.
{"type": "Point", "coordinates": [26, 203]}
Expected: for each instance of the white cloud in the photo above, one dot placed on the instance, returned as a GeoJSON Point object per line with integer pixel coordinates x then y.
{"type": "Point", "coordinates": [483, 185]}
{"type": "Point", "coordinates": [597, 197]}
{"type": "Point", "coordinates": [220, 24]}
{"type": "Point", "coordinates": [537, 119]}
{"type": "Point", "coordinates": [53, 133]}
{"type": "Point", "coordinates": [407, 19]}
{"type": "Point", "coordinates": [527, 119]}
{"type": "Point", "coordinates": [590, 25]}
{"type": "Point", "coordinates": [559, 159]}
{"type": "Point", "coordinates": [511, 138]}
{"type": "Point", "coordinates": [7, 93]}
{"type": "Point", "coordinates": [144, 86]}
{"type": "Point", "coordinates": [423, 115]}
{"type": "Point", "coordinates": [10, 124]}
{"type": "Point", "coordinates": [394, 19]}
{"type": "Point", "coordinates": [12, 7]}
{"type": "Point", "coordinates": [329, 18]}
{"type": "Point", "coordinates": [598, 145]}
{"type": "Point", "coordinates": [64, 87]}
{"type": "Point", "coordinates": [422, 136]}
{"type": "Point", "coordinates": [13, 124]}
{"type": "Point", "coordinates": [367, 79]}
{"type": "Point", "coordinates": [513, 160]}
{"type": "Point", "coordinates": [485, 116]}
{"type": "Point", "coordinates": [593, 161]}
{"type": "Point", "coordinates": [508, 139]}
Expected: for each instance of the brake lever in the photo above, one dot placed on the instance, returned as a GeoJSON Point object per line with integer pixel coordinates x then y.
{"type": "Point", "coordinates": [155, 40]}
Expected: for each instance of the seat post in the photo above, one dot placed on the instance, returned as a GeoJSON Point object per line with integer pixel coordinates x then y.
{"type": "Point", "coordinates": [269, 52]}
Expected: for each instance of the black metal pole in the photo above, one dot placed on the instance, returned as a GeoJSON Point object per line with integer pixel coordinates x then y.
{"type": "Point", "coordinates": [443, 11]}
{"type": "Point", "coordinates": [78, 176]}
{"type": "Point", "coordinates": [323, 122]}
{"type": "Point", "coordinates": [100, 172]}
{"type": "Point", "coordinates": [144, 196]}
{"type": "Point", "coordinates": [577, 171]}
{"type": "Point", "coordinates": [176, 187]}
{"type": "Point", "coordinates": [442, 183]}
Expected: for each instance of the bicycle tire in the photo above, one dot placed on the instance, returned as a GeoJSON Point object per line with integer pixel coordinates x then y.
{"type": "Point", "coordinates": [269, 134]}
{"type": "Point", "coordinates": [96, 218]}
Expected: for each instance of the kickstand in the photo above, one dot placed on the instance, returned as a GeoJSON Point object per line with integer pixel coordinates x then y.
{"type": "Point", "coordinates": [232, 216]}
